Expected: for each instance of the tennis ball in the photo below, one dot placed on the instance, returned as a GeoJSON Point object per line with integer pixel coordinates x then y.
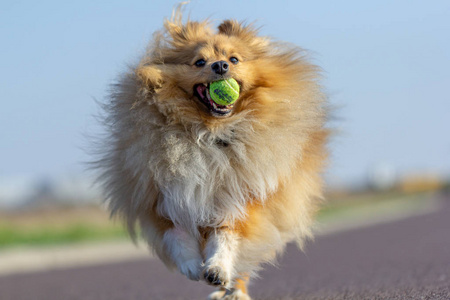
{"type": "Point", "coordinates": [224, 92]}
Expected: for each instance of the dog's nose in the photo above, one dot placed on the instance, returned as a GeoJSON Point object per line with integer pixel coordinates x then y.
{"type": "Point", "coordinates": [220, 67]}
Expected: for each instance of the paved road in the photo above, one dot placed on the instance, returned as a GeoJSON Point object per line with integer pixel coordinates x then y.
{"type": "Point", "coordinates": [407, 259]}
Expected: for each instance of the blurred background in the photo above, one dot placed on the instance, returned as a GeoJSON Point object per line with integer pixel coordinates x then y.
{"type": "Point", "coordinates": [386, 67]}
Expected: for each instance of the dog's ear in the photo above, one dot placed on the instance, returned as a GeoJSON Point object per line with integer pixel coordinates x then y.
{"type": "Point", "coordinates": [175, 30]}
{"type": "Point", "coordinates": [235, 28]}
{"type": "Point", "coordinates": [150, 75]}
{"type": "Point", "coordinates": [182, 33]}
{"type": "Point", "coordinates": [246, 33]}
{"type": "Point", "coordinates": [189, 32]}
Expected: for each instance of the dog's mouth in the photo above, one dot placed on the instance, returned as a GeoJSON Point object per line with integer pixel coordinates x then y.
{"type": "Point", "coordinates": [201, 91]}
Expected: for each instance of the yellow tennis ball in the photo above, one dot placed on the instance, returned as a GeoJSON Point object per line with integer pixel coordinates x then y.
{"type": "Point", "coordinates": [224, 92]}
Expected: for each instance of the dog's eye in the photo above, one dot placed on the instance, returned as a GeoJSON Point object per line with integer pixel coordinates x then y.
{"type": "Point", "coordinates": [200, 62]}
{"type": "Point", "coordinates": [234, 60]}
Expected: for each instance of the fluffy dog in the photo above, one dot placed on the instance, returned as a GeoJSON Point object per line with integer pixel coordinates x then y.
{"type": "Point", "coordinates": [216, 190]}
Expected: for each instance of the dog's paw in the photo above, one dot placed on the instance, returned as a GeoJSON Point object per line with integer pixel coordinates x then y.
{"type": "Point", "coordinates": [236, 295]}
{"type": "Point", "coordinates": [216, 295]}
{"type": "Point", "coordinates": [216, 276]}
{"type": "Point", "coordinates": [192, 268]}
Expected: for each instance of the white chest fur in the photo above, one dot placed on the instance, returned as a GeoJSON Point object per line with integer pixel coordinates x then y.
{"type": "Point", "coordinates": [206, 178]}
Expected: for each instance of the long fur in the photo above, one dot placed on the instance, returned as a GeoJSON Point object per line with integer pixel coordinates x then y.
{"type": "Point", "coordinates": [169, 163]}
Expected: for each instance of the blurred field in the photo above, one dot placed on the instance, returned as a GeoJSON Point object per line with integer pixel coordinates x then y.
{"type": "Point", "coordinates": [52, 226]}
{"type": "Point", "coordinates": [57, 225]}
{"type": "Point", "coordinates": [369, 203]}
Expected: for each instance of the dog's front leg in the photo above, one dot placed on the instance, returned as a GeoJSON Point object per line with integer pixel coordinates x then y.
{"type": "Point", "coordinates": [220, 252]}
{"type": "Point", "coordinates": [184, 251]}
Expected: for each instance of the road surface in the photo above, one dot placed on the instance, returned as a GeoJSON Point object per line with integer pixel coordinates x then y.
{"type": "Point", "coordinates": [405, 259]}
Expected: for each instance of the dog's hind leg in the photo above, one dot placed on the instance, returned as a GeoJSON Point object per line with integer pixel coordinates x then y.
{"type": "Point", "coordinates": [219, 294]}
{"type": "Point", "coordinates": [237, 292]}
{"type": "Point", "coordinates": [241, 284]}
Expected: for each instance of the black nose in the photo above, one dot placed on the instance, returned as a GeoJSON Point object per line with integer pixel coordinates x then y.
{"type": "Point", "coordinates": [220, 67]}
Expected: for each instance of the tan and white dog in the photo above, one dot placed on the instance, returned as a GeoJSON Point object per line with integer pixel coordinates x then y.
{"type": "Point", "coordinates": [216, 190]}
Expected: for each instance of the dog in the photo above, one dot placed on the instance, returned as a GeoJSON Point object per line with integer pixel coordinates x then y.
{"type": "Point", "coordinates": [216, 190]}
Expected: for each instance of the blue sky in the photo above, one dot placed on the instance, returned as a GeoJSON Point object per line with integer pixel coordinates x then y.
{"type": "Point", "coordinates": [386, 65]}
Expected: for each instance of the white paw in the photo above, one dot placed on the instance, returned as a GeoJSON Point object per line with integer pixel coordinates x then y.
{"type": "Point", "coordinates": [216, 295]}
{"type": "Point", "coordinates": [215, 275]}
{"type": "Point", "coordinates": [192, 268]}
{"type": "Point", "coordinates": [185, 252]}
